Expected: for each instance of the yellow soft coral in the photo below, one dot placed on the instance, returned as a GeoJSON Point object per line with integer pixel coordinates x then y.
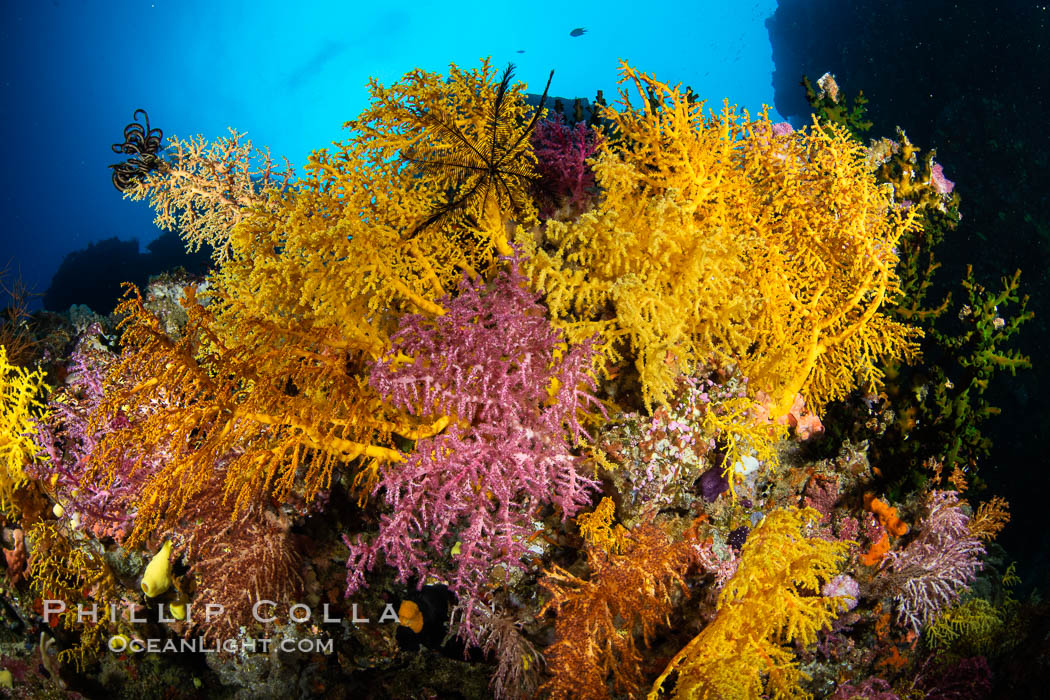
{"type": "Point", "coordinates": [718, 240]}
{"type": "Point", "coordinates": [204, 189]}
{"type": "Point", "coordinates": [599, 530]}
{"type": "Point", "coordinates": [974, 622]}
{"type": "Point", "coordinates": [272, 416]}
{"type": "Point", "coordinates": [772, 600]}
{"type": "Point", "coordinates": [69, 571]}
{"type": "Point", "coordinates": [344, 252]}
{"type": "Point", "coordinates": [20, 405]}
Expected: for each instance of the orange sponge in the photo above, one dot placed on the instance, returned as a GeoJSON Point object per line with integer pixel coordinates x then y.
{"type": "Point", "coordinates": [887, 515]}
{"type": "Point", "coordinates": [409, 615]}
{"type": "Point", "coordinates": [877, 551]}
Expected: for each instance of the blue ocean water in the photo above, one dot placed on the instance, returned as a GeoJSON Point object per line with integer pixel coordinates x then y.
{"type": "Point", "coordinates": [72, 74]}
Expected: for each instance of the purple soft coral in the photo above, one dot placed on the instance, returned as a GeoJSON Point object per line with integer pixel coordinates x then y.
{"type": "Point", "coordinates": [494, 364]}
{"type": "Point", "coordinates": [935, 568]}
{"type": "Point", "coordinates": [68, 438]}
{"type": "Point", "coordinates": [968, 678]}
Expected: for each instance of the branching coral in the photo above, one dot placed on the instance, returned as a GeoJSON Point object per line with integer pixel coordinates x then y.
{"type": "Point", "coordinates": [493, 363]}
{"type": "Point", "coordinates": [468, 136]}
{"type": "Point", "coordinates": [598, 530]}
{"type": "Point", "coordinates": [237, 561]}
{"type": "Point", "coordinates": [17, 325]}
{"type": "Point", "coordinates": [518, 662]}
{"type": "Point", "coordinates": [717, 238]}
{"type": "Point", "coordinates": [21, 405]}
{"type": "Point", "coordinates": [105, 506]}
{"type": "Point", "coordinates": [936, 407]}
{"type": "Point", "coordinates": [562, 151]}
{"type": "Point", "coordinates": [974, 623]}
{"type": "Point", "coordinates": [990, 518]}
{"type": "Point", "coordinates": [368, 332]}
{"type": "Point", "coordinates": [70, 570]}
{"type": "Point", "coordinates": [204, 189]}
{"type": "Point", "coordinates": [284, 422]}
{"type": "Point", "coordinates": [773, 600]}
{"type": "Point", "coordinates": [937, 566]}
{"type": "Point", "coordinates": [357, 242]}
{"type": "Point", "coordinates": [596, 618]}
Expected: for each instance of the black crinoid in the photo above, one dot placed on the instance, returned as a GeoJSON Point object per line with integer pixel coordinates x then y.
{"type": "Point", "coordinates": [144, 145]}
{"type": "Point", "coordinates": [476, 166]}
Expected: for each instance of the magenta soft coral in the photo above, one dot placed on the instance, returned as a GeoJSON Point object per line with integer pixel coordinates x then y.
{"type": "Point", "coordinates": [495, 365]}
{"type": "Point", "coordinates": [561, 154]}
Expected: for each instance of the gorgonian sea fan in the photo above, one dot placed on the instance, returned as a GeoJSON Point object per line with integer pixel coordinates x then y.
{"type": "Point", "coordinates": [514, 391]}
{"type": "Point", "coordinates": [938, 565]}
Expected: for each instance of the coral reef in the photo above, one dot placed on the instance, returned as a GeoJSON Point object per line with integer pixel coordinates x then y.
{"type": "Point", "coordinates": [488, 403]}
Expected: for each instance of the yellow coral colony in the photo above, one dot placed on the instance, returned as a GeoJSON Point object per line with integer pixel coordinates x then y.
{"type": "Point", "coordinates": [350, 267]}
{"type": "Point", "coordinates": [157, 578]}
{"type": "Point", "coordinates": [767, 605]}
{"type": "Point", "coordinates": [21, 393]}
{"type": "Point", "coordinates": [718, 240]}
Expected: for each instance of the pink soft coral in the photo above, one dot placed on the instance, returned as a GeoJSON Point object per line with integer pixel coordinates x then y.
{"type": "Point", "coordinates": [69, 436]}
{"type": "Point", "coordinates": [494, 363]}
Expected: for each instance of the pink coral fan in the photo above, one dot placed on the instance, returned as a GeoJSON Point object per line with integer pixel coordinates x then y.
{"type": "Point", "coordinates": [68, 438]}
{"type": "Point", "coordinates": [494, 363]}
{"type": "Point", "coordinates": [943, 185]}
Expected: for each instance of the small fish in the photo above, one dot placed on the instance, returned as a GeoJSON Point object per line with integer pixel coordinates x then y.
{"type": "Point", "coordinates": [579, 31]}
{"type": "Point", "coordinates": [521, 50]}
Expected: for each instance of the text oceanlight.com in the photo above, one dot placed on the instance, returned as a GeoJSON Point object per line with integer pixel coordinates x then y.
{"type": "Point", "coordinates": [120, 644]}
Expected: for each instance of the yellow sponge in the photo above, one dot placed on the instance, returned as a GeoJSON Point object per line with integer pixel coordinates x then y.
{"type": "Point", "coordinates": [157, 577]}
